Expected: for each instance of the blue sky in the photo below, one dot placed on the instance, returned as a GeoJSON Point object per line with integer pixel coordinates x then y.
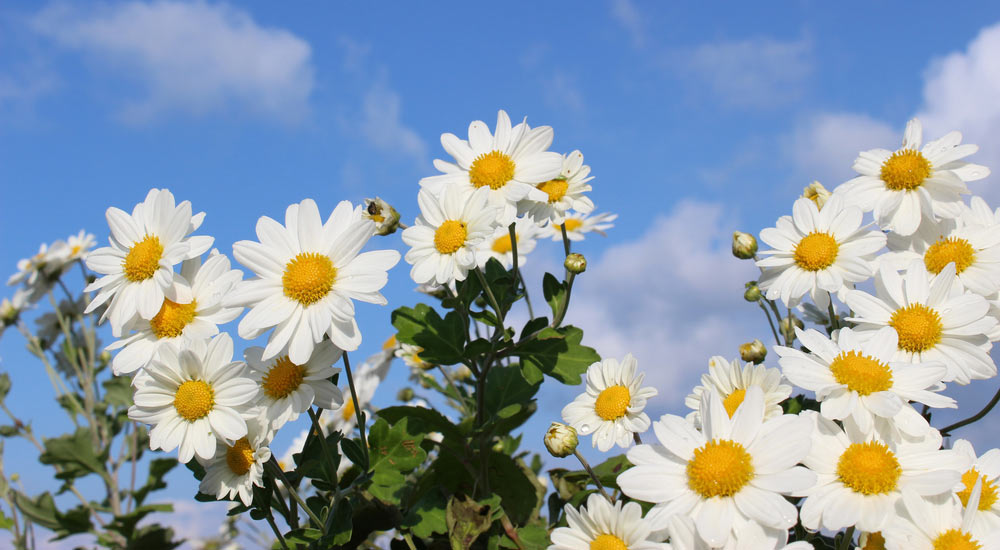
{"type": "Point", "coordinates": [696, 119]}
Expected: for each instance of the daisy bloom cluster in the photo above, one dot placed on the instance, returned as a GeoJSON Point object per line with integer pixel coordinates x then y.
{"type": "Point", "coordinates": [36, 275]}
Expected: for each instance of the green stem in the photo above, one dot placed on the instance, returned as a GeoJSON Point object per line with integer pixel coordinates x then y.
{"type": "Point", "coordinates": [586, 466]}
{"type": "Point", "coordinates": [276, 470]}
{"type": "Point", "coordinates": [518, 278]}
{"type": "Point", "coordinates": [774, 331]}
{"type": "Point", "coordinates": [490, 297]}
{"type": "Point", "coordinates": [565, 238]}
{"type": "Point", "coordinates": [845, 543]}
{"type": "Point", "coordinates": [357, 409]}
{"type": "Point", "coordinates": [328, 464]}
{"type": "Point", "coordinates": [974, 418]}
{"type": "Point", "coordinates": [274, 527]}
{"type": "Point", "coordinates": [834, 321]}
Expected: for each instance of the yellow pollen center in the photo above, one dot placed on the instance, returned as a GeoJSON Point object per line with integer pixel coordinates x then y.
{"type": "Point", "coordinates": [861, 373]}
{"type": "Point", "coordinates": [308, 277]}
{"type": "Point", "coordinates": [905, 170]}
{"type": "Point", "coordinates": [949, 250]}
{"type": "Point", "coordinates": [75, 250]}
{"type": "Point", "coordinates": [869, 468]}
{"type": "Point", "coordinates": [283, 378]}
{"type": "Point", "coordinates": [170, 321]}
{"type": "Point", "coordinates": [502, 245]}
{"type": "Point", "coordinates": [572, 224]}
{"type": "Point", "coordinates": [240, 457]}
{"type": "Point", "coordinates": [607, 542]}
{"type": "Point", "coordinates": [450, 236]}
{"type": "Point", "coordinates": [955, 539]}
{"type": "Point", "coordinates": [143, 259]}
{"type": "Point", "coordinates": [719, 469]}
{"type": "Point", "coordinates": [612, 403]}
{"type": "Point", "coordinates": [556, 189]}
{"type": "Point", "coordinates": [494, 169]}
{"type": "Point", "coordinates": [194, 399]}
{"type": "Point", "coordinates": [875, 541]}
{"type": "Point", "coordinates": [390, 343]}
{"type": "Point", "coordinates": [988, 496]}
{"type": "Point", "coordinates": [816, 251]}
{"type": "Point", "coordinates": [347, 411]}
{"type": "Point", "coordinates": [919, 327]}
{"type": "Point", "coordinates": [733, 401]}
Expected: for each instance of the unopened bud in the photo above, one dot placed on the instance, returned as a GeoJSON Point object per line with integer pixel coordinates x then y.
{"type": "Point", "coordinates": [575, 263]}
{"type": "Point", "coordinates": [752, 293]}
{"type": "Point", "coordinates": [104, 358]}
{"type": "Point", "coordinates": [462, 373]}
{"type": "Point", "coordinates": [405, 395]}
{"type": "Point", "coordinates": [744, 245]}
{"type": "Point", "coordinates": [788, 324]}
{"type": "Point", "coordinates": [753, 352]}
{"type": "Point", "coordinates": [816, 193]}
{"type": "Point", "coordinates": [383, 214]}
{"type": "Point", "coordinates": [561, 440]}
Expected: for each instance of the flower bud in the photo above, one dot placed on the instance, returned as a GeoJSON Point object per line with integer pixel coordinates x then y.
{"type": "Point", "coordinates": [575, 263]}
{"type": "Point", "coordinates": [788, 324]}
{"type": "Point", "coordinates": [753, 352]}
{"type": "Point", "coordinates": [752, 293]}
{"type": "Point", "coordinates": [405, 395]}
{"type": "Point", "coordinates": [383, 214]}
{"type": "Point", "coordinates": [561, 440]}
{"type": "Point", "coordinates": [462, 373]}
{"type": "Point", "coordinates": [816, 193]}
{"type": "Point", "coordinates": [744, 245]}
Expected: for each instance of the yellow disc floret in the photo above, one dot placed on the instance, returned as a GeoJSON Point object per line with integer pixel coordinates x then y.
{"type": "Point", "coordinates": [613, 402]}
{"type": "Point", "coordinates": [194, 399]}
{"type": "Point", "coordinates": [816, 251]}
{"type": "Point", "coordinates": [949, 250]}
{"type": "Point", "coordinates": [240, 457]}
{"type": "Point", "coordinates": [720, 468]}
{"type": "Point", "coordinates": [347, 411]}
{"type": "Point", "coordinates": [502, 245]}
{"type": "Point", "coordinates": [607, 542]}
{"type": "Point", "coordinates": [450, 236]}
{"type": "Point", "coordinates": [170, 321]}
{"type": "Point", "coordinates": [873, 541]}
{"type": "Point", "coordinates": [572, 224]}
{"type": "Point", "coordinates": [143, 259]}
{"type": "Point", "coordinates": [283, 378]}
{"type": "Point", "coordinates": [955, 539]}
{"type": "Point", "coordinates": [905, 170]}
{"type": "Point", "coordinates": [494, 169]}
{"type": "Point", "coordinates": [733, 401]}
{"type": "Point", "coordinates": [556, 189]}
{"type": "Point", "coordinates": [308, 277]}
{"type": "Point", "coordinates": [918, 326]}
{"type": "Point", "coordinates": [861, 373]}
{"type": "Point", "coordinates": [869, 468]}
{"type": "Point", "coordinates": [988, 496]}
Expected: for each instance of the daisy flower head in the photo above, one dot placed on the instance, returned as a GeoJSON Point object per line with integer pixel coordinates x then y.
{"type": "Point", "coordinates": [239, 466]}
{"type": "Point", "coordinates": [78, 246]}
{"type": "Point", "coordinates": [45, 262]}
{"type": "Point", "coordinates": [747, 535]}
{"type": "Point", "coordinates": [288, 389]}
{"type": "Point", "coordinates": [137, 270]}
{"type": "Point", "coordinates": [410, 355]}
{"type": "Point", "coordinates": [733, 470]}
{"type": "Point", "coordinates": [933, 319]}
{"type": "Point", "coordinates": [192, 310]}
{"type": "Point", "coordinates": [818, 252]}
{"type": "Point", "coordinates": [611, 406]}
{"type": "Point", "coordinates": [860, 384]}
{"type": "Point", "coordinates": [578, 225]}
{"type": "Point", "coordinates": [600, 525]}
{"type": "Point", "coordinates": [307, 273]}
{"type": "Point", "coordinates": [445, 239]}
{"type": "Point", "coordinates": [193, 397]}
{"type": "Point", "coordinates": [984, 470]}
{"type": "Point", "coordinates": [901, 187]}
{"type": "Point", "coordinates": [508, 163]}
{"type": "Point", "coordinates": [938, 524]}
{"type": "Point", "coordinates": [860, 477]}
{"type": "Point", "coordinates": [564, 192]}
{"type": "Point", "coordinates": [731, 379]}
{"type": "Point", "coordinates": [499, 246]}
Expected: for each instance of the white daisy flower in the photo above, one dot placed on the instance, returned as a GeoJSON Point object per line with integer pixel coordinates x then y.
{"type": "Point", "coordinates": [194, 397]}
{"type": "Point", "coordinates": [47, 261]}
{"type": "Point", "coordinates": [410, 355]}
{"type": "Point", "coordinates": [78, 246]}
{"type": "Point", "coordinates": [138, 267]}
{"type": "Point", "coordinates": [937, 524]}
{"type": "Point", "coordinates": [11, 308]}
{"type": "Point", "coordinates": [859, 383]}
{"type": "Point", "coordinates": [599, 525]}
{"type": "Point", "coordinates": [859, 477]}
{"type": "Point", "coordinates": [934, 321]}
{"type": "Point", "coordinates": [445, 238]}
{"type": "Point", "coordinates": [730, 379]}
{"type": "Point", "coordinates": [367, 378]}
{"type": "Point", "coordinates": [237, 468]}
{"type": "Point", "coordinates": [736, 469]}
{"type": "Point", "coordinates": [985, 470]}
{"type": "Point", "coordinates": [818, 252]}
{"type": "Point", "coordinates": [308, 273]}
{"type": "Point", "coordinates": [611, 407]}
{"type": "Point", "coordinates": [192, 310]}
{"type": "Point", "coordinates": [578, 225]}
{"type": "Point", "coordinates": [747, 535]}
{"type": "Point", "coordinates": [902, 187]}
{"type": "Point", "coordinates": [564, 192]}
{"type": "Point", "coordinates": [288, 389]}
{"type": "Point", "coordinates": [499, 246]}
{"type": "Point", "coordinates": [508, 164]}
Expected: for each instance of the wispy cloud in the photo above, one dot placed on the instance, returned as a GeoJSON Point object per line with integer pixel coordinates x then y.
{"type": "Point", "coordinates": [628, 16]}
{"type": "Point", "coordinates": [383, 128]}
{"type": "Point", "coordinates": [823, 147]}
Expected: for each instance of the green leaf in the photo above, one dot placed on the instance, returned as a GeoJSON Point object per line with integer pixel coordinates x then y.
{"type": "Point", "coordinates": [510, 481]}
{"type": "Point", "coordinates": [388, 485]}
{"type": "Point", "coordinates": [303, 538]}
{"type": "Point", "coordinates": [507, 391]}
{"type": "Point", "coordinates": [41, 511]}
{"type": "Point", "coordinates": [431, 420]}
{"type": "Point", "coordinates": [559, 354]}
{"type": "Point", "coordinates": [118, 391]}
{"type": "Point", "coordinates": [153, 537]}
{"type": "Point", "coordinates": [74, 453]}
{"type": "Point", "coordinates": [554, 291]}
{"type": "Point", "coordinates": [8, 431]}
{"type": "Point", "coordinates": [532, 537]}
{"type": "Point", "coordinates": [466, 520]}
{"type": "Point", "coordinates": [353, 452]}
{"type": "Point", "coordinates": [397, 447]}
{"type": "Point", "coordinates": [442, 340]}
{"type": "Point", "coordinates": [158, 468]}
{"type": "Point", "coordinates": [427, 516]}
{"type": "Point", "coordinates": [343, 523]}
{"type": "Point", "coordinates": [4, 385]}
{"type": "Point", "coordinates": [73, 522]}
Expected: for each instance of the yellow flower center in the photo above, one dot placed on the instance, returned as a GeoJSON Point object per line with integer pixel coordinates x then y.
{"type": "Point", "coordinates": [283, 378]}
{"type": "Point", "coordinates": [955, 539]}
{"type": "Point", "coordinates": [816, 251]}
{"type": "Point", "coordinates": [170, 321]}
{"type": "Point", "coordinates": [502, 245]}
{"type": "Point", "coordinates": [494, 169]}
{"type": "Point", "coordinates": [556, 189]}
{"type": "Point", "coordinates": [733, 401]}
{"type": "Point", "coordinates": [869, 468]}
{"type": "Point", "coordinates": [612, 403]}
{"type": "Point", "coordinates": [194, 399]}
{"type": "Point", "coordinates": [240, 457]}
{"type": "Point", "coordinates": [390, 343]}
{"type": "Point", "coordinates": [607, 542]}
{"type": "Point", "coordinates": [861, 373]}
{"type": "Point", "coordinates": [988, 496]}
{"type": "Point", "coordinates": [875, 541]}
{"type": "Point", "coordinates": [918, 326]}
{"type": "Point", "coordinates": [347, 411]}
{"type": "Point", "coordinates": [719, 469]}
{"type": "Point", "coordinates": [75, 250]}
{"type": "Point", "coordinates": [450, 236]}
{"type": "Point", "coordinates": [308, 277]}
{"type": "Point", "coordinates": [143, 259]}
{"type": "Point", "coordinates": [572, 224]}
{"type": "Point", "coordinates": [949, 250]}
{"type": "Point", "coordinates": [905, 170]}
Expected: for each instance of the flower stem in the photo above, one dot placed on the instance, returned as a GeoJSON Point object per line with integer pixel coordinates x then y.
{"type": "Point", "coordinates": [357, 409]}
{"type": "Point", "coordinates": [834, 321]}
{"type": "Point", "coordinates": [276, 470]}
{"type": "Point", "coordinates": [845, 543]}
{"type": "Point", "coordinates": [974, 418]}
{"type": "Point", "coordinates": [489, 296]}
{"type": "Point", "coordinates": [774, 331]}
{"type": "Point", "coordinates": [586, 466]}
{"type": "Point", "coordinates": [565, 237]}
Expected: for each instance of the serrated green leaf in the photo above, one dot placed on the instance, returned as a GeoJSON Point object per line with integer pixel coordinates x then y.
{"type": "Point", "coordinates": [554, 292]}
{"type": "Point", "coordinates": [510, 481]}
{"type": "Point", "coordinates": [431, 420]}
{"type": "Point", "coordinates": [427, 516]}
{"type": "Point", "coordinates": [466, 520]}
{"type": "Point", "coordinates": [75, 454]}
{"type": "Point", "coordinates": [41, 510]}
{"type": "Point", "coordinates": [118, 391]}
{"type": "Point", "coordinates": [397, 447]}
{"type": "Point", "coordinates": [507, 391]}
{"type": "Point", "coordinates": [353, 452]}
{"type": "Point", "coordinates": [343, 523]}
{"type": "Point", "coordinates": [558, 353]}
{"type": "Point", "coordinates": [442, 340]}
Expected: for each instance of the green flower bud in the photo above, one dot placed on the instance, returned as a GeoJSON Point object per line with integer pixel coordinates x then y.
{"type": "Point", "coordinates": [561, 440]}
{"type": "Point", "coordinates": [753, 352]}
{"type": "Point", "coordinates": [383, 214]}
{"type": "Point", "coordinates": [816, 193]}
{"type": "Point", "coordinates": [788, 324]}
{"type": "Point", "coordinates": [752, 293]}
{"type": "Point", "coordinates": [405, 395]}
{"type": "Point", "coordinates": [575, 263]}
{"type": "Point", "coordinates": [744, 245]}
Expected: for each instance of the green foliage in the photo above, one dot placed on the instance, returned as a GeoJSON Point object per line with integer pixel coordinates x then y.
{"type": "Point", "coordinates": [443, 340]}
{"type": "Point", "coordinates": [557, 353]}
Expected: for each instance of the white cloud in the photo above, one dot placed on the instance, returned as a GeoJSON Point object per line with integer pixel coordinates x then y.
{"type": "Point", "coordinates": [824, 146]}
{"type": "Point", "coordinates": [189, 57]}
{"type": "Point", "coordinates": [627, 15]}
{"type": "Point", "coordinates": [383, 128]}
{"type": "Point", "coordinates": [562, 91]}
